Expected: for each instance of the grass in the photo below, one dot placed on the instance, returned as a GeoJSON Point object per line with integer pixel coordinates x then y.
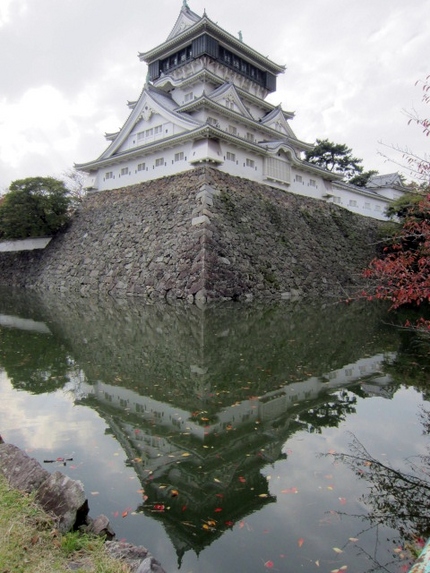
{"type": "Point", "coordinates": [30, 543]}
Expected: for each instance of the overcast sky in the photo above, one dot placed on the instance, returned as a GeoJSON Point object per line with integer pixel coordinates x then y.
{"type": "Point", "coordinates": [68, 67]}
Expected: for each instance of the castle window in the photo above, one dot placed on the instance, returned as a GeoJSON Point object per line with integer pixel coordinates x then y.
{"type": "Point", "coordinates": [231, 156]}
{"type": "Point", "coordinates": [109, 175]}
{"type": "Point", "coordinates": [299, 178]}
{"type": "Point", "coordinates": [179, 156]}
{"type": "Point", "coordinates": [124, 171]}
{"type": "Point", "coordinates": [158, 130]}
{"type": "Point", "coordinates": [312, 183]}
{"type": "Point", "coordinates": [377, 207]}
{"type": "Point", "coordinates": [250, 162]}
{"type": "Point", "coordinates": [149, 132]}
{"type": "Point", "coordinates": [159, 162]}
{"type": "Point", "coordinates": [367, 205]}
{"type": "Point", "coordinates": [140, 135]}
{"type": "Point", "coordinates": [213, 121]}
{"type": "Point", "coordinates": [337, 200]}
{"type": "Point", "coordinates": [352, 203]}
{"type": "Point", "coordinates": [232, 129]}
{"type": "Point", "coordinates": [229, 104]}
{"type": "Point", "coordinates": [189, 96]}
{"type": "Point", "coordinates": [249, 136]}
{"type": "Point", "coordinates": [141, 166]}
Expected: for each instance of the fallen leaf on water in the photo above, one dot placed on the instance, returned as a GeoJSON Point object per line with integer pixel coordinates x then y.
{"type": "Point", "coordinates": [217, 480]}
{"type": "Point", "coordinates": [229, 523]}
{"type": "Point", "coordinates": [269, 564]}
{"type": "Point", "coordinates": [174, 493]}
{"type": "Point", "coordinates": [94, 493]}
{"type": "Point", "coordinates": [330, 487]}
{"type": "Point", "coordinates": [219, 495]}
{"type": "Point", "coordinates": [342, 500]}
{"type": "Point", "coordinates": [242, 479]}
{"type": "Point", "coordinates": [263, 495]}
{"type": "Point", "coordinates": [337, 550]}
{"type": "Point", "coordinates": [186, 454]}
{"type": "Point", "coordinates": [124, 513]}
{"type": "Point", "coordinates": [116, 513]}
{"type": "Point", "coordinates": [290, 490]}
{"type": "Point", "coordinates": [317, 563]}
{"type": "Point", "coordinates": [217, 509]}
{"type": "Point", "coordinates": [300, 541]}
{"type": "Point", "coordinates": [353, 539]}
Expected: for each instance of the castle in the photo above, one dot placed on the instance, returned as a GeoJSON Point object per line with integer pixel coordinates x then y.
{"type": "Point", "coordinates": [204, 103]}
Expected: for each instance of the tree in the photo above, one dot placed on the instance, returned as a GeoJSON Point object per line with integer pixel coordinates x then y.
{"type": "Point", "coordinates": [402, 273]}
{"type": "Point", "coordinates": [335, 157]}
{"type": "Point", "coordinates": [34, 207]}
{"type": "Point", "coordinates": [74, 181]}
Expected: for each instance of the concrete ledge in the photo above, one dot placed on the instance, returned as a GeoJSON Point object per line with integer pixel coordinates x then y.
{"type": "Point", "coordinates": [24, 245]}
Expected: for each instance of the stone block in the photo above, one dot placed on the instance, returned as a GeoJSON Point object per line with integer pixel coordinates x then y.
{"type": "Point", "coordinates": [21, 471]}
{"type": "Point", "coordinates": [65, 499]}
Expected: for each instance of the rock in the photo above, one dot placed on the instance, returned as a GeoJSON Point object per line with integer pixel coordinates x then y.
{"type": "Point", "coordinates": [65, 498]}
{"type": "Point", "coordinates": [149, 565]}
{"type": "Point", "coordinates": [21, 471]}
{"type": "Point", "coordinates": [100, 526]}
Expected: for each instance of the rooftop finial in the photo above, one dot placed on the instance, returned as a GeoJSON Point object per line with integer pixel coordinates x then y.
{"type": "Point", "coordinates": [185, 4]}
{"type": "Point", "coordinates": [240, 36]}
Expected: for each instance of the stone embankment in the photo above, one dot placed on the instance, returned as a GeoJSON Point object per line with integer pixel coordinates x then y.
{"type": "Point", "coordinates": [201, 235]}
{"type": "Point", "coordinates": [65, 500]}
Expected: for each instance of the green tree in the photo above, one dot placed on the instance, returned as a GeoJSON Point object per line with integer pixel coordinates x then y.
{"type": "Point", "coordinates": [335, 157]}
{"type": "Point", "coordinates": [34, 207]}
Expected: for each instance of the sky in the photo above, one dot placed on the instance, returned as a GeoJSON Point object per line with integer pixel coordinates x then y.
{"type": "Point", "coordinates": [68, 68]}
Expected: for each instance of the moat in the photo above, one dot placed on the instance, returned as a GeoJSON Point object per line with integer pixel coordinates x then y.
{"type": "Point", "coordinates": [224, 439]}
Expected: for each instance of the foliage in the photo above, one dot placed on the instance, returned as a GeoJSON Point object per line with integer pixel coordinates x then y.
{"type": "Point", "coordinates": [335, 157]}
{"type": "Point", "coordinates": [362, 179]}
{"type": "Point", "coordinates": [403, 272]}
{"type": "Point", "coordinates": [404, 205]}
{"type": "Point", "coordinates": [34, 207]}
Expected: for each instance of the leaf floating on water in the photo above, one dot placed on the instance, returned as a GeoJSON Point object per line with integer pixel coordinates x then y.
{"type": "Point", "coordinates": [174, 493]}
{"type": "Point", "coordinates": [269, 564]}
{"type": "Point", "coordinates": [217, 480]}
{"type": "Point", "coordinates": [242, 479]}
{"type": "Point", "coordinates": [290, 490]}
{"type": "Point", "coordinates": [337, 550]}
{"type": "Point", "coordinates": [353, 539]}
{"type": "Point", "coordinates": [342, 500]}
{"type": "Point", "coordinates": [317, 563]}
{"type": "Point", "coordinates": [229, 523]}
{"type": "Point", "coordinates": [124, 513]}
{"type": "Point", "coordinates": [186, 454]}
{"type": "Point", "coordinates": [263, 495]}
{"type": "Point", "coordinates": [94, 493]}
{"type": "Point", "coordinates": [300, 541]}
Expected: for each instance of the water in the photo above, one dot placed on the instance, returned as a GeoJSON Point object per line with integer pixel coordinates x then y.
{"type": "Point", "coordinates": [225, 439]}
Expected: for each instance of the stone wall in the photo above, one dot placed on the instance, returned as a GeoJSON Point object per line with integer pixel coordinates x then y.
{"type": "Point", "coordinates": [201, 235]}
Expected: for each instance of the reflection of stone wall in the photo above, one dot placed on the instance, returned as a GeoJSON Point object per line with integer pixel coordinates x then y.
{"type": "Point", "coordinates": [209, 353]}
{"type": "Point", "coordinates": [168, 238]}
